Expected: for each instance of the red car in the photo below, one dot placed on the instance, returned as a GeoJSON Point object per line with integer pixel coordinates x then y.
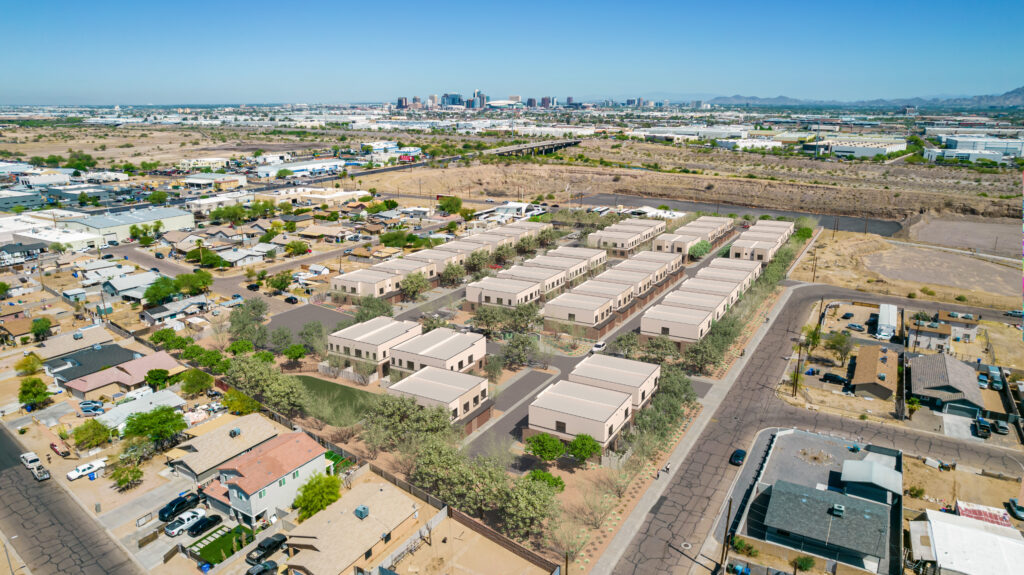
{"type": "Point", "coordinates": [60, 449]}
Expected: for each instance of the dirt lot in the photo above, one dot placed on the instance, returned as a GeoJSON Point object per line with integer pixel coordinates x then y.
{"type": "Point", "coordinates": [997, 237]}
{"type": "Point", "coordinates": [945, 487]}
{"type": "Point", "coordinates": [868, 262]}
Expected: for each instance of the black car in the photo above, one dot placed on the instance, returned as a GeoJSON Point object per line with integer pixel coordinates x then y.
{"type": "Point", "coordinates": [833, 378]}
{"type": "Point", "coordinates": [265, 568]}
{"type": "Point", "coordinates": [738, 457]}
{"type": "Point", "coordinates": [291, 299]}
{"type": "Point", "coordinates": [157, 270]}
{"type": "Point", "coordinates": [848, 315]}
{"type": "Point", "coordinates": [204, 525]}
{"type": "Point", "coordinates": [213, 393]}
{"type": "Point", "coordinates": [177, 506]}
{"type": "Point", "coordinates": [266, 548]}
{"type": "Point", "coordinates": [114, 243]}
{"type": "Point", "coordinates": [159, 255]}
{"type": "Point", "coordinates": [253, 287]}
{"type": "Point", "coordinates": [108, 256]}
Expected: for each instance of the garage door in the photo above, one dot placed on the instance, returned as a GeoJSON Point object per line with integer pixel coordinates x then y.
{"type": "Point", "coordinates": [962, 410]}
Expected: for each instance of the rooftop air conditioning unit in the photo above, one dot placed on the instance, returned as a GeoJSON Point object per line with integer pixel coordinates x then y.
{"type": "Point", "coordinates": [235, 432]}
{"type": "Point", "coordinates": [838, 510]}
{"type": "Point", "coordinates": [362, 512]}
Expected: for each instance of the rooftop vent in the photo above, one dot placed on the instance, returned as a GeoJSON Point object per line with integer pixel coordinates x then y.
{"type": "Point", "coordinates": [362, 512]}
{"type": "Point", "coordinates": [838, 510]}
{"type": "Point", "coordinates": [235, 432]}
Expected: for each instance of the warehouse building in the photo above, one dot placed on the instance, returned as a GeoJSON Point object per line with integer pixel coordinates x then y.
{"type": "Point", "coordinates": [460, 394]}
{"type": "Point", "coordinates": [683, 326]}
{"type": "Point", "coordinates": [590, 316]}
{"type": "Point", "coordinates": [501, 292]}
{"type": "Point", "coordinates": [552, 280]}
{"type": "Point", "coordinates": [118, 226]}
{"type": "Point", "coordinates": [441, 348]}
{"type": "Point", "coordinates": [371, 341]}
{"type": "Point", "coordinates": [567, 409]}
{"type": "Point", "coordinates": [28, 199]}
{"type": "Point", "coordinates": [76, 239]}
{"type": "Point", "coordinates": [301, 169]}
{"type": "Point", "coordinates": [865, 149]}
{"type": "Point", "coordinates": [637, 378]}
{"type": "Point", "coordinates": [199, 182]}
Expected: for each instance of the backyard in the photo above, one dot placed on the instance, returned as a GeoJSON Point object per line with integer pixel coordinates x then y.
{"type": "Point", "coordinates": [336, 404]}
{"type": "Point", "coordinates": [223, 546]}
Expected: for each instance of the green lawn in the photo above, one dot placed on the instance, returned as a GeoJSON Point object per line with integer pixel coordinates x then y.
{"type": "Point", "coordinates": [336, 404]}
{"type": "Point", "coordinates": [212, 552]}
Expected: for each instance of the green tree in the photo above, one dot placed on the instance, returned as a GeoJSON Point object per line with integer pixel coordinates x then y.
{"type": "Point", "coordinates": [812, 337]}
{"type": "Point", "coordinates": [494, 367]}
{"type": "Point", "coordinates": [660, 348]}
{"type": "Point", "coordinates": [313, 335]}
{"type": "Point", "coordinates": [280, 281]}
{"type": "Point", "coordinates": [414, 285]}
{"type": "Point", "coordinates": [265, 356]}
{"type": "Point", "coordinates": [525, 507]}
{"type": "Point", "coordinates": [803, 563]}
{"type": "Point", "coordinates": [523, 318]}
{"type": "Point", "coordinates": [91, 434]}
{"type": "Point", "coordinates": [296, 248]}
{"type": "Point", "coordinates": [489, 318]}
{"type": "Point", "coordinates": [430, 323]}
{"type": "Point", "coordinates": [294, 352]}
{"type": "Point", "coordinates": [478, 260]}
{"type": "Point", "coordinates": [450, 204]}
{"type": "Point", "coordinates": [627, 344]}
{"type": "Point", "coordinates": [913, 404]}
{"type": "Point", "coordinates": [160, 291]}
{"type": "Point", "coordinates": [240, 346]}
{"type": "Point", "coordinates": [317, 494]}
{"type": "Point", "coordinates": [196, 381]}
{"type": "Point", "coordinates": [157, 378]}
{"type": "Point", "coordinates": [699, 249]}
{"type": "Point", "coordinates": [519, 349]}
{"type": "Point", "coordinates": [504, 254]}
{"type": "Point", "coordinates": [41, 328]}
{"type": "Point", "coordinates": [283, 173]}
{"type": "Point", "coordinates": [370, 307]}
{"type": "Point", "coordinates": [281, 338]}
{"type": "Point", "coordinates": [126, 476]}
{"type": "Point", "coordinates": [840, 344]}
{"type": "Point", "coordinates": [158, 425]}
{"type": "Point", "coordinates": [32, 392]}
{"type": "Point", "coordinates": [28, 365]}
{"type": "Point", "coordinates": [194, 283]}
{"type": "Point", "coordinates": [239, 403]}
{"type": "Point", "coordinates": [59, 248]}
{"type": "Point", "coordinates": [158, 197]}
{"type": "Point", "coordinates": [247, 322]}
{"type": "Point", "coordinates": [527, 245]}
{"type": "Point", "coordinates": [452, 275]}
{"type": "Point", "coordinates": [583, 447]}
{"type": "Point", "coordinates": [545, 447]}
{"type": "Point", "coordinates": [394, 419]}
{"type": "Point", "coordinates": [4, 290]}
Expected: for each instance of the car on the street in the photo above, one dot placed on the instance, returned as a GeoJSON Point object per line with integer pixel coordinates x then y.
{"type": "Point", "coordinates": [349, 250]}
{"type": "Point", "coordinates": [848, 315]}
{"type": "Point", "coordinates": [40, 473]}
{"type": "Point", "coordinates": [155, 270]}
{"type": "Point", "coordinates": [1016, 509]}
{"type": "Point", "coordinates": [833, 378]}
{"type": "Point", "coordinates": [855, 326]}
{"type": "Point", "coordinates": [114, 243]}
{"type": "Point", "coordinates": [92, 411]}
{"type": "Point", "coordinates": [108, 256]}
{"type": "Point", "coordinates": [29, 459]}
{"type": "Point", "coordinates": [204, 525]}
{"type": "Point", "coordinates": [236, 296]}
{"type": "Point", "coordinates": [60, 449]}
{"type": "Point", "coordinates": [599, 347]}
{"type": "Point", "coordinates": [738, 457]}
{"type": "Point", "coordinates": [89, 404]}
{"type": "Point", "coordinates": [1015, 313]}
{"type": "Point", "coordinates": [87, 468]}
{"type": "Point", "coordinates": [291, 299]}
{"type": "Point", "coordinates": [265, 568]}
{"type": "Point", "coordinates": [253, 287]}
{"type": "Point", "coordinates": [183, 522]}
{"type": "Point", "coordinates": [1000, 427]}
{"type": "Point", "coordinates": [159, 255]}
{"type": "Point", "coordinates": [266, 548]}
{"type": "Point", "coordinates": [177, 506]}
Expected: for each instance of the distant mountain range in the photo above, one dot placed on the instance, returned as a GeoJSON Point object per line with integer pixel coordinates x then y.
{"type": "Point", "coordinates": [1011, 99]}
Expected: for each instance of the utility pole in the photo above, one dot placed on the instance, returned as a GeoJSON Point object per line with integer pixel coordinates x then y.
{"type": "Point", "coordinates": [725, 537]}
{"type": "Point", "coordinates": [835, 226]}
{"type": "Point", "coordinates": [814, 266]}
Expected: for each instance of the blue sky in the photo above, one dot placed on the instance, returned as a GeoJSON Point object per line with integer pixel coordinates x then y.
{"type": "Point", "coordinates": [337, 52]}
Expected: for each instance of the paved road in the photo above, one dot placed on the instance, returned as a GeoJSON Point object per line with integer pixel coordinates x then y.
{"type": "Point", "coordinates": [691, 505]}
{"type": "Point", "coordinates": [51, 533]}
{"type": "Point", "coordinates": [511, 402]}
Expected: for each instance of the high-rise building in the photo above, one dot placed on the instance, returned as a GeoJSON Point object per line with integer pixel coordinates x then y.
{"type": "Point", "coordinates": [432, 100]}
{"type": "Point", "coordinates": [515, 98]}
{"type": "Point", "coordinates": [481, 100]}
{"type": "Point", "coordinates": [452, 100]}
{"type": "Point", "coordinates": [631, 101]}
{"type": "Point", "coordinates": [545, 102]}
{"type": "Point", "coordinates": [416, 100]}
{"type": "Point", "coordinates": [569, 100]}
{"type": "Point", "coordinates": [402, 103]}
{"type": "Point", "coordinates": [531, 102]}
{"type": "Point", "coordinates": [697, 104]}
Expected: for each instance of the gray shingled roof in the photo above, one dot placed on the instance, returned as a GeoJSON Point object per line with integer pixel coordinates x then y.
{"type": "Point", "coordinates": [943, 377]}
{"type": "Point", "coordinates": [807, 512]}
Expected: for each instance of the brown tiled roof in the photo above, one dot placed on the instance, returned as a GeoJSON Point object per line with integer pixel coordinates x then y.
{"type": "Point", "coordinates": [869, 365]}
{"type": "Point", "coordinates": [17, 326]}
{"type": "Point", "coordinates": [273, 460]}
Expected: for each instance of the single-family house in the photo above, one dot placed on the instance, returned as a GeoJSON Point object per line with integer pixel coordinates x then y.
{"type": "Point", "coordinates": [199, 458]}
{"type": "Point", "coordinates": [120, 378]}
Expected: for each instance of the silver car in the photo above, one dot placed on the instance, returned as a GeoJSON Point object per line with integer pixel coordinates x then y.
{"type": "Point", "coordinates": [183, 522]}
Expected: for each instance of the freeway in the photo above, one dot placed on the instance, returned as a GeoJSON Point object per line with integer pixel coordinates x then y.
{"type": "Point", "coordinates": [49, 530]}
{"type": "Point", "coordinates": [689, 507]}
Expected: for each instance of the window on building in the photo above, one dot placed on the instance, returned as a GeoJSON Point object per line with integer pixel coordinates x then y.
{"type": "Point", "coordinates": [460, 364]}
{"type": "Point", "coordinates": [483, 392]}
{"type": "Point", "coordinates": [487, 299]}
{"type": "Point", "coordinates": [643, 394]}
{"type": "Point", "coordinates": [295, 475]}
{"type": "Point", "coordinates": [465, 407]}
{"type": "Point", "coordinates": [281, 482]}
{"type": "Point", "coordinates": [664, 331]}
{"type": "Point", "coordinates": [379, 291]}
{"type": "Point", "coordinates": [476, 400]}
{"type": "Point", "coordinates": [572, 317]}
{"type": "Point", "coordinates": [455, 413]}
{"type": "Point", "coordinates": [348, 351]}
{"type": "Point", "coordinates": [359, 352]}
{"type": "Point", "coordinates": [387, 537]}
{"type": "Point", "coordinates": [560, 426]}
{"type": "Point", "coordinates": [368, 554]}
{"type": "Point", "coordinates": [263, 493]}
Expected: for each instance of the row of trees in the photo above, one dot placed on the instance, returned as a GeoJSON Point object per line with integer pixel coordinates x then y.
{"type": "Point", "coordinates": [165, 288]}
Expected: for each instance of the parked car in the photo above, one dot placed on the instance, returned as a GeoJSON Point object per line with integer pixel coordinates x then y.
{"type": "Point", "coordinates": [982, 427]}
{"type": "Point", "coordinates": [265, 568]}
{"type": "Point", "coordinates": [40, 473]}
{"type": "Point", "coordinates": [1000, 427]}
{"type": "Point", "coordinates": [833, 378]}
{"type": "Point", "coordinates": [177, 506]}
{"type": "Point", "coordinates": [266, 548]}
{"type": "Point", "coordinates": [213, 393]}
{"type": "Point", "coordinates": [204, 525]}
{"type": "Point", "coordinates": [114, 243]}
{"type": "Point", "coordinates": [87, 468]}
{"type": "Point", "coordinates": [848, 315]}
{"type": "Point", "coordinates": [108, 256]}
{"type": "Point", "coordinates": [183, 522]}
{"type": "Point", "coordinates": [159, 255]}
{"type": "Point", "coordinates": [216, 407]}
{"type": "Point", "coordinates": [1015, 313]}
{"type": "Point", "coordinates": [60, 449]}
{"type": "Point", "coordinates": [89, 404]}
{"type": "Point", "coordinates": [92, 411]}
{"type": "Point", "coordinates": [738, 457]}
{"type": "Point", "coordinates": [236, 296]}
{"type": "Point", "coordinates": [1016, 509]}
{"type": "Point", "coordinates": [253, 287]}
{"type": "Point", "coordinates": [598, 347]}
{"type": "Point", "coordinates": [983, 380]}
{"type": "Point", "coordinates": [291, 299]}
{"type": "Point", "coordinates": [155, 270]}
{"type": "Point", "coordinates": [29, 459]}
{"type": "Point", "coordinates": [855, 326]}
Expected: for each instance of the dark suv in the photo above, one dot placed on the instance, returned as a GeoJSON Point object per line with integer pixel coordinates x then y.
{"type": "Point", "coordinates": [266, 548]}
{"type": "Point", "coordinates": [833, 378]}
{"type": "Point", "coordinates": [177, 506]}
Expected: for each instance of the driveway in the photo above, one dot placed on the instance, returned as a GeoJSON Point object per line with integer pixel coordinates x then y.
{"type": "Point", "coordinates": [514, 402]}
{"type": "Point", "coordinates": [49, 416]}
{"type": "Point", "coordinates": [958, 427]}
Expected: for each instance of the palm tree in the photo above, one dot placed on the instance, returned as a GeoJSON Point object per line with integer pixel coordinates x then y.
{"type": "Point", "coordinates": [913, 404]}
{"type": "Point", "coordinates": [199, 244]}
{"type": "Point", "coordinates": [157, 226]}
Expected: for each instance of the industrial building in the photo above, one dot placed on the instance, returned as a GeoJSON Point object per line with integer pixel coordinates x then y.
{"type": "Point", "coordinates": [201, 182]}
{"type": "Point", "coordinates": [300, 169]}
{"type": "Point", "coordinates": [27, 199]}
{"type": "Point", "coordinates": [1006, 147]}
{"type": "Point", "coordinates": [865, 149]}
{"type": "Point", "coordinates": [117, 226]}
{"type": "Point", "coordinates": [200, 163]}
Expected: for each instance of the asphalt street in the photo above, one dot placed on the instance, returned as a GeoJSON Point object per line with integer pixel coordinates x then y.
{"type": "Point", "coordinates": [514, 418]}
{"type": "Point", "coordinates": [50, 531]}
{"type": "Point", "coordinates": [676, 527]}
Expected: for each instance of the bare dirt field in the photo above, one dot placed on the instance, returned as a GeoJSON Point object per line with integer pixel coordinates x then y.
{"type": "Point", "coordinates": [945, 487]}
{"type": "Point", "coordinates": [999, 237]}
{"type": "Point", "coordinates": [869, 263]}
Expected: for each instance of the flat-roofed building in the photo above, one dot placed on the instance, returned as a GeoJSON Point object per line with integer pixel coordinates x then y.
{"type": "Point", "coordinates": [658, 270]}
{"type": "Point", "coordinates": [745, 278]}
{"type": "Point", "coordinates": [403, 268]}
{"type": "Point", "coordinates": [573, 268]}
{"type": "Point", "coordinates": [440, 258]}
{"type": "Point", "coordinates": [621, 293]}
{"type": "Point", "coordinates": [676, 243]}
{"type": "Point", "coordinates": [728, 289]}
{"type": "Point", "coordinates": [651, 228]}
{"type": "Point", "coordinates": [567, 409]}
{"type": "Point", "coordinates": [641, 282]}
{"type": "Point", "coordinates": [596, 259]}
{"type": "Point", "coordinates": [730, 264]}
{"type": "Point", "coordinates": [371, 341]}
{"type": "Point", "coordinates": [619, 243]}
{"type": "Point", "coordinates": [364, 283]}
{"type": "Point", "coordinates": [705, 232]}
{"type": "Point", "coordinates": [443, 348]}
{"type": "Point", "coordinates": [674, 261]}
{"type": "Point", "coordinates": [552, 280]}
{"type": "Point", "coordinates": [715, 303]}
{"type": "Point", "coordinates": [681, 325]}
{"type": "Point", "coordinates": [535, 228]}
{"type": "Point", "coordinates": [464, 247]}
{"type": "Point", "coordinates": [774, 236]}
{"type": "Point", "coordinates": [495, 241]}
{"type": "Point", "coordinates": [502, 292]}
{"type": "Point", "coordinates": [786, 227]}
{"type": "Point", "coordinates": [460, 393]}
{"type": "Point", "coordinates": [962, 325]}
{"type": "Point", "coordinates": [722, 226]}
{"type": "Point", "coordinates": [595, 314]}
{"type": "Point", "coordinates": [637, 378]}
{"type": "Point", "coordinates": [515, 233]}
{"type": "Point", "coordinates": [757, 251]}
